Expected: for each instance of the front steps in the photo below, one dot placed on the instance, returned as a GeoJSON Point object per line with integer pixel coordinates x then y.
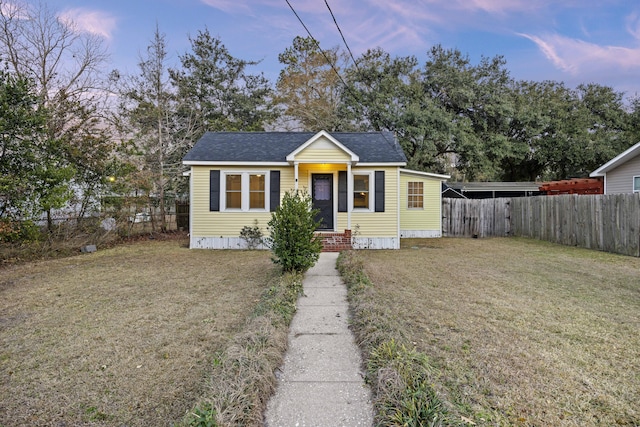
{"type": "Point", "coordinates": [335, 242]}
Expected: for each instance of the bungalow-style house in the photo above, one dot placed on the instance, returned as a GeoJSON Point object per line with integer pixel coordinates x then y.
{"type": "Point", "coordinates": [622, 173]}
{"type": "Point", "coordinates": [357, 180]}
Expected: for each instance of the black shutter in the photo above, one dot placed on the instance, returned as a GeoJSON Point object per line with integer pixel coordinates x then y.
{"type": "Point", "coordinates": [274, 191]}
{"type": "Point", "coordinates": [214, 190]}
{"type": "Point", "coordinates": [379, 191]}
{"type": "Point", "coordinates": [342, 191]}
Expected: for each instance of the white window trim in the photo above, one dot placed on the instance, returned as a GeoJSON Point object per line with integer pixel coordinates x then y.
{"type": "Point", "coordinates": [633, 184]}
{"type": "Point", "coordinates": [411, 208]}
{"type": "Point", "coordinates": [244, 191]}
{"type": "Point", "coordinates": [372, 191]}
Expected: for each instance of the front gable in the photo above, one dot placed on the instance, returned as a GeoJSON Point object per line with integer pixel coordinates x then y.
{"type": "Point", "coordinates": [322, 148]}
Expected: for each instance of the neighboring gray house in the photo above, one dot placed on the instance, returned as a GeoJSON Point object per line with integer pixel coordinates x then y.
{"type": "Point", "coordinates": [622, 173]}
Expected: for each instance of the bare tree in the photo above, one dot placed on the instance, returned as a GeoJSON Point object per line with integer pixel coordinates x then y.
{"type": "Point", "coordinates": [146, 116]}
{"type": "Point", "coordinates": [154, 126]}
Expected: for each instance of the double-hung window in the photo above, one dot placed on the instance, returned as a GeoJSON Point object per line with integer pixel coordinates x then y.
{"type": "Point", "coordinates": [256, 191]}
{"type": "Point", "coordinates": [636, 184]}
{"type": "Point", "coordinates": [233, 191]}
{"type": "Point", "coordinates": [415, 195]}
{"type": "Point", "coordinates": [362, 191]}
{"type": "Point", "coordinates": [244, 191]}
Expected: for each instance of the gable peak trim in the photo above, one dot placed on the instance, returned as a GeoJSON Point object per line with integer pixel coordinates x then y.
{"type": "Point", "coordinates": [291, 157]}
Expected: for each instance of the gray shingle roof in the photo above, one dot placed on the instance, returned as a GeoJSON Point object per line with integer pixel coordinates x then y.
{"type": "Point", "coordinates": [371, 147]}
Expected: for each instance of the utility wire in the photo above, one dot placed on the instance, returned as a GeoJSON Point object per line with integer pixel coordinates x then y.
{"type": "Point", "coordinates": [349, 89]}
{"type": "Point", "coordinates": [319, 48]}
{"type": "Point", "coordinates": [342, 35]}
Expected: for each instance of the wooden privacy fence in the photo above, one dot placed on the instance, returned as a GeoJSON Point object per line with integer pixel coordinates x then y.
{"type": "Point", "coordinates": [182, 214]}
{"type": "Point", "coordinates": [476, 217]}
{"type": "Point", "coordinates": [605, 222]}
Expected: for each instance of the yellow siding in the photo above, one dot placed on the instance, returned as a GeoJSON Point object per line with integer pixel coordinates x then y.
{"type": "Point", "coordinates": [287, 180]}
{"type": "Point", "coordinates": [322, 151]}
{"type": "Point", "coordinates": [228, 224]}
{"type": "Point", "coordinates": [377, 224]}
{"type": "Point", "coordinates": [428, 218]}
{"type": "Point", "coordinates": [223, 224]}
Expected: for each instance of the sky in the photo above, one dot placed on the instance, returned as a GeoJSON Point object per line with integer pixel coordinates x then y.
{"type": "Point", "coordinates": [573, 41]}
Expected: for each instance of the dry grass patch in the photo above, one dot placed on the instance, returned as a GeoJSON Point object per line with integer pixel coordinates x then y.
{"type": "Point", "coordinates": [242, 379]}
{"type": "Point", "coordinates": [519, 332]}
{"type": "Point", "coordinates": [121, 336]}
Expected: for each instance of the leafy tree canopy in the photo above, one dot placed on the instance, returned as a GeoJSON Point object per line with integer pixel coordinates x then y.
{"type": "Point", "coordinates": [218, 92]}
{"type": "Point", "coordinates": [310, 86]}
{"type": "Point", "coordinates": [33, 175]}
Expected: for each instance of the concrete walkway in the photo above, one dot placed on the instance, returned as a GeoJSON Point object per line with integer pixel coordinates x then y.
{"type": "Point", "coordinates": [321, 383]}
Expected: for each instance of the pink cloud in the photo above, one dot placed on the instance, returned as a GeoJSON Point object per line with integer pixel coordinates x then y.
{"type": "Point", "coordinates": [576, 56]}
{"type": "Point", "coordinates": [390, 24]}
{"type": "Point", "coordinates": [408, 9]}
{"type": "Point", "coordinates": [633, 25]}
{"type": "Point", "coordinates": [229, 6]}
{"type": "Point", "coordinates": [91, 21]}
{"type": "Point", "coordinates": [500, 6]}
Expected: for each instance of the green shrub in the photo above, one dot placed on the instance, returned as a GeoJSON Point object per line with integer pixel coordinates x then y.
{"type": "Point", "coordinates": [292, 228]}
{"type": "Point", "coordinates": [252, 235]}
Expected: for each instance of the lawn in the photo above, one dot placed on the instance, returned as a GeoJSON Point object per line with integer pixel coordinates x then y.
{"type": "Point", "coordinates": [123, 336]}
{"type": "Point", "coordinates": [518, 332]}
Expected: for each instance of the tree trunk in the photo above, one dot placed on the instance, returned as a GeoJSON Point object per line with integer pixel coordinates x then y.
{"type": "Point", "coordinates": [49, 221]}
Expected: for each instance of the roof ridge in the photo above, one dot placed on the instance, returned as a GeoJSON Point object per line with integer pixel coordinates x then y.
{"type": "Point", "coordinates": [274, 146]}
{"type": "Point", "coordinates": [395, 144]}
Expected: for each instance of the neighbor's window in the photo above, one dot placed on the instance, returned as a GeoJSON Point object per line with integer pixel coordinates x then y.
{"type": "Point", "coordinates": [361, 191]}
{"type": "Point", "coordinates": [234, 191]}
{"type": "Point", "coordinates": [256, 191]}
{"type": "Point", "coordinates": [636, 184]}
{"type": "Point", "coordinates": [415, 195]}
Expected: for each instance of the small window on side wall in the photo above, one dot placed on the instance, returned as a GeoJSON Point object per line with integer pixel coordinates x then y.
{"type": "Point", "coordinates": [636, 184]}
{"type": "Point", "coordinates": [415, 195]}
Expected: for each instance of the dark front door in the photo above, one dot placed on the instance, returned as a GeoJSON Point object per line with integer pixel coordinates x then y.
{"type": "Point", "coordinates": [322, 195]}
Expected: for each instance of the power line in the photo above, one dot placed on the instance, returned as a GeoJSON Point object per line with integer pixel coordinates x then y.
{"type": "Point", "coordinates": [342, 35]}
{"type": "Point", "coordinates": [318, 46]}
{"type": "Point", "coordinates": [348, 88]}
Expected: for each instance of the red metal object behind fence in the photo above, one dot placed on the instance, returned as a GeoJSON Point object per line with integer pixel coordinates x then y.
{"type": "Point", "coordinates": [573, 186]}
